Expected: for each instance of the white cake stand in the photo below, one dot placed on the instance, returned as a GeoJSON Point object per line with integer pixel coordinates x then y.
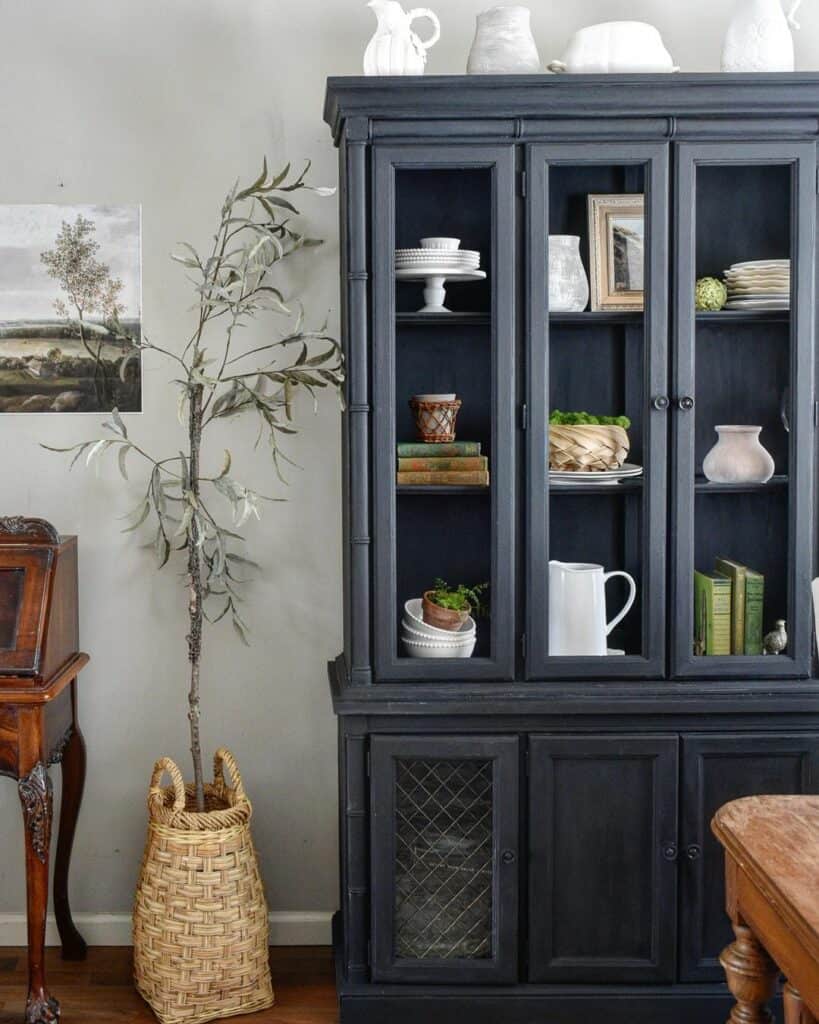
{"type": "Point", "coordinates": [435, 279]}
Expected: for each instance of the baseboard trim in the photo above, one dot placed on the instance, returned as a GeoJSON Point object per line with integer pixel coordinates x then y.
{"type": "Point", "coordinates": [287, 928]}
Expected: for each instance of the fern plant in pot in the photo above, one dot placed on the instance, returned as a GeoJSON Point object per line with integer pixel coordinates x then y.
{"type": "Point", "coordinates": [200, 916]}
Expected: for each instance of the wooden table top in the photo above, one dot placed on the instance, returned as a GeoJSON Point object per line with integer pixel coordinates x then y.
{"type": "Point", "coordinates": [775, 841]}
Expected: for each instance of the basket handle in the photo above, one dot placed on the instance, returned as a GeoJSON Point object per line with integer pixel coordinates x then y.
{"type": "Point", "coordinates": [224, 759]}
{"type": "Point", "coordinates": [165, 764]}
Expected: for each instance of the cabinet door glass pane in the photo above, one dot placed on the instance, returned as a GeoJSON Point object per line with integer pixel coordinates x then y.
{"type": "Point", "coordinates": [741, 413]}
{"type": "Point", "coordinates": [443, 859]}
{"type": "Point", "coordinates": [600, 242]}
{"type": "Point", "coordinates": [444, 358]}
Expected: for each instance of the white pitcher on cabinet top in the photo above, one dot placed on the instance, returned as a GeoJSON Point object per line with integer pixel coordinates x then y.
{"type": "Point", "coordinates": [395, 49]}
{"type": "Point", "coordinates": [577, 607]}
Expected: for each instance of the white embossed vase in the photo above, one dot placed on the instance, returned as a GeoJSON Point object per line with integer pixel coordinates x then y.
{"type": "Point", "coordinates": [568, 284]}
{"type": "Point", "coordinates": [759, 37]}
{"type": "Point", "coordinates": [738, 457]}
{"type": "Point", "coordinates": [503, 44]}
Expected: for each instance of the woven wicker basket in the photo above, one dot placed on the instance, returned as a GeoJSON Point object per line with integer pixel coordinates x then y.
{"type": "Point", "coordinates": [200, 916]}
{"type": "Point", "coordinates": [585, 447]}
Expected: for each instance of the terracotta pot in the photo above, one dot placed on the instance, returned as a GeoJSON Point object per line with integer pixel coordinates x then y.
{"type": "Point", "coordinates": [443, 618]}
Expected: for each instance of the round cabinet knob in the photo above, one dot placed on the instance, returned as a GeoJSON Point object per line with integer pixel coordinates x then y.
{"type": "Point", "coordinates": [686, 403]}
{"type": "Point", "coordinates": [670, 851]}
{"type": "Point", "coordinates": [660, 402]}
{"type": "Point", "coordinates": [509, 856]}
{"type": "Point", "coordinates": [693, 851]}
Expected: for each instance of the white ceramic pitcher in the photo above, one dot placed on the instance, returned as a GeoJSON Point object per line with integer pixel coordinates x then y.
{"type": "Point", "coordinates": [395, 49]}
{"type": "Point", "coordinates": [759, 37]}
{"type": "Point", "coordinates": [577, 607]}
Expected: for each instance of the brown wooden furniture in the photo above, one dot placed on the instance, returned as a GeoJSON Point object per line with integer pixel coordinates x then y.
{"type": "Point", "coordinates": [39, 663]}
{"type": "Point", "coordinates": [772, 897]}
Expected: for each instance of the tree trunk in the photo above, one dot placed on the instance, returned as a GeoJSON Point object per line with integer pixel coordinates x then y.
{"type": "Point", "coordinates": [195, 604]}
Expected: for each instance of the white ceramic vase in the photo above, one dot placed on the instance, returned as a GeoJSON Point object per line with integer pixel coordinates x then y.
{"type": "Point", "coordinates": [395, 49]}
{"type": "Point", "coordinates": [568, 284]}
{"type": "Point", "coordinates": [503, 44]}
{"type": "Point", "coordinates": [738, 457]}
{"type": "Point", "coordinates": [759, 37]}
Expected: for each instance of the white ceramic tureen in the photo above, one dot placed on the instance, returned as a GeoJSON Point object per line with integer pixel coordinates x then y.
{"type": "Point", "coordinates": [615, 47]}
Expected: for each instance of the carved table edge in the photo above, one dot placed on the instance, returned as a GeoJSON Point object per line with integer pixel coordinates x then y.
{"type": "Point", "coordinates": [44, 694]}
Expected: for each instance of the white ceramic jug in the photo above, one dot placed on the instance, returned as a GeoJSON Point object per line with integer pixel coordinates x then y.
{"type": "Point", "coordinates": [759, 37]}
{"type": "Point", "coordinates": [395, 49]}
{"type": "Point", "coordinates": [577, 607]}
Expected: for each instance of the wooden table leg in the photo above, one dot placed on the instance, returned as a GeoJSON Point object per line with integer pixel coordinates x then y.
{"type": "Point", "coordinates": [795, 1010]}
{"type": "Point", "coordinates": [751, 977]}
{"type": "Point", "coordinates": [73, 771]}
{"type": "Point", "coordinates": [36, 798]}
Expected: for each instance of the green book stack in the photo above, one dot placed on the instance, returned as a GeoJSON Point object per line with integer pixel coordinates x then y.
{"type": "Point", "coordinates": [712, 613]}
{"type": "Point", "coordinates": [457, 463]}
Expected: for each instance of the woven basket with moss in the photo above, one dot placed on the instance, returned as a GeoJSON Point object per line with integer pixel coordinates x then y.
{"type": "Point", "coordinates": [580, 442]}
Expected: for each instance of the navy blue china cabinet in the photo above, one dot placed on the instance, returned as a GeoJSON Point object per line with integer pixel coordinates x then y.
{"type": "Point", "coordinates": [524, 833]}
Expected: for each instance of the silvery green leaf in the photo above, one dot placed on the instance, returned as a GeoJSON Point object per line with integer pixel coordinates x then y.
{"type": "Point", "coordinates": [184, 525]}
{"type": "Point", "coordinates": [162, 548]}
{"type": "Point", "coordinates": [122, 455]}
{"type": "Point", "coordinates": [143, 515]}
{"type": "Point", "coordinates": [321, 190]}
{"type": "Point", "coordinates": [280, 177]}
{"type": "Point", "coordinates": [225, 465]}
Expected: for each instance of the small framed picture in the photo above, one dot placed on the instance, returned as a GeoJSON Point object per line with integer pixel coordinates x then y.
{"type": "Point", "coordinates": [616, 251]}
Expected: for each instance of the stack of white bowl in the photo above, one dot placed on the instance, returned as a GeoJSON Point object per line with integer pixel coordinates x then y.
{"type": "Point", "coordinates": [421, 640]}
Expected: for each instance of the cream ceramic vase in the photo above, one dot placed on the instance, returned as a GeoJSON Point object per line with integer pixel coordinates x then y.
{"type": "Point", "coordinates": [759, 37]}
{"type": "Point", "coordinates": [503, 44]}
{"type": "Point", "coordinates": [568, 284]}
{"type": "Point", "coordinates": [738, 457]}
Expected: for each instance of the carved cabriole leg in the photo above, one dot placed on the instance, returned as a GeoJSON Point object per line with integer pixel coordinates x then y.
{"type": "Point", "coordinates": [34, 787]}
{"type": "Point", "coordinates": [751, 977]}
{"type": "Point", "coordinates": [795, 1010]}
{"type": "Point", "coordinates": [73, 770]}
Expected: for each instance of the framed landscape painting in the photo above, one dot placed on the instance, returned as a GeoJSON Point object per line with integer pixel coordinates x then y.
{"type": "Point", "coordinates": [616, 250]}
{"type": "Point", "coordinates": [70, 308]}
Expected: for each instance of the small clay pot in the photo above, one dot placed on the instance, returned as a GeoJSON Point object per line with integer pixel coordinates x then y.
{"type": "Point", "coordinates": [444, 618]}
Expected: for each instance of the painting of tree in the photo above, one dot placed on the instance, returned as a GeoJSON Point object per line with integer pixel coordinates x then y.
{"type": "Point", "coordinates": [80, 351]}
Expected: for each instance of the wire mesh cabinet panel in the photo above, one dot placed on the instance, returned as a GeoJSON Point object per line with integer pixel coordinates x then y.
{"type": "Point", "coordinates": [444, 856]}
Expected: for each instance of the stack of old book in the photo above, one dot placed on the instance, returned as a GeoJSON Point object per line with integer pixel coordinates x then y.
{"type": "Point", "coordinates": [728, 609]}
{"type": "Point", "coordinates": [448, 464]}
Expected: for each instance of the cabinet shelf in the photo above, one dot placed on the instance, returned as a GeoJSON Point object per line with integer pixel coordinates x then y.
{"type": "Point", "coordinates": [745, 316]}
{"type": "Point", "coordinates": [443, 319]}
{"type": "Point", "coordinates": [615, 316]}
{"type": "Point", "coordinates": [629, 486]}
{"type": "Point", "coordinates": [703, 486]}
{"type": "Point", "coordinates": [440, 489]}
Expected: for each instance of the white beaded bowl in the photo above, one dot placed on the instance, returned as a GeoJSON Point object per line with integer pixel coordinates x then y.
{"type": "Point", "coordinates": [414, 618]}
{"type": "Point", "coordinates": [432, 649]}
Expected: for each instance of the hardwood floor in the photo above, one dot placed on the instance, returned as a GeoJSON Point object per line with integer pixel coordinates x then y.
{"type": "Point", "coordinates": [99, 989]}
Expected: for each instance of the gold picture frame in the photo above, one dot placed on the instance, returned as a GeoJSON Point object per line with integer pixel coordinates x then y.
{"type": "Point", "coordinates": [616, 251]}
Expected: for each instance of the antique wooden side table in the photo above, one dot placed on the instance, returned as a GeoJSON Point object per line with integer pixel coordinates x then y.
{"type": "Point", "coordinates": [772, 897]}
{"type": "Point", "coordinates": [39, 663]}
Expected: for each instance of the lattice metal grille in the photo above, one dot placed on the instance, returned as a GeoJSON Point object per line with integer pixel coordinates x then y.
{"type": "Point", "coordinates": [443, 859]}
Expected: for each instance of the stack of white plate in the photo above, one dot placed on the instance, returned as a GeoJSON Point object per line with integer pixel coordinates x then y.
{"type": "Point", "coordinates": [421, 640]}
{"type": "Point", "coordinates": [759, 284]}
{"type": "Point", "coordinates": [442, 262]}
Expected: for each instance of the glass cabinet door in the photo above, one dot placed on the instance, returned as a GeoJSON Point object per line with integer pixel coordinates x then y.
{"type": "Point", "coordinates": [596, 491]}
{"type": "Point", "coordinates": [443, 362]}
{"type": "Point", "coordinates": [743, 417]}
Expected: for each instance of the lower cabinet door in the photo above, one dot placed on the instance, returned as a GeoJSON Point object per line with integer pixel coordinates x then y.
{"type": "Point", "coordinates": [444, 855]}
{"type": "Point", "coordinates": [717, 769]}
{"type": "Point", "coordinates": [602, 858]}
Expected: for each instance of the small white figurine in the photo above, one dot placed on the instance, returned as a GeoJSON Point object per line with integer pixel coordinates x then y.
{"type": "Point", "coordinates": [759, 37]}
{"type": "Point", "coordinates": [776, 641]}
{"type": "Point", "coordinates": [395, 49]}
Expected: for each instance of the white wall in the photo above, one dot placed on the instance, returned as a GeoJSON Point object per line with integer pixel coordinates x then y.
{"type": "Point", "coordinates": [165, 102]}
